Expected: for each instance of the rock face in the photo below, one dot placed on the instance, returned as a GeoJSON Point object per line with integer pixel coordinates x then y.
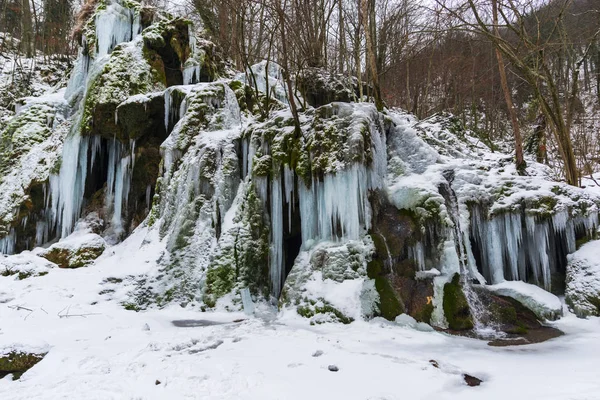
{"type": "Point", "coordinates": [583, 281]}
{"type": "Point", "coordinates": [356, 214]}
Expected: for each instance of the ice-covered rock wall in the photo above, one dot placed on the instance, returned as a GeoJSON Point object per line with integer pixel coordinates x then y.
{"type": "Point", "coordinates": [98, 138]}
{"type": "Point", "coordinates": [354, 214]}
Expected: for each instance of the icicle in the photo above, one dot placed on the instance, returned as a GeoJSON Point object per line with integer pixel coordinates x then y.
{"type": "Point", "coordinates": [67, 188]}
{"type": "Point", "coordinates": [8, 243]}
{"type": "Point", "coordinates": [276, 256]}
{"type": "Point", "coordinates": [41, 233]}
{"type": "Point", "coordinates": [288, 179]}
{"type": "Point", "coordinates": [244, 158]}
{"type": "Point", "coordinates": [167, 109]}
{"type": "Point", "coordinates": [417, 254]}
{"type": "Point", "coordinates": [114, 25]}
{"type": "Point", "coordinates": [247, 301]}
{"type": "Point", "coordinates": [148, 197]}
{"type": "Point", "coordinates": [191, 74]}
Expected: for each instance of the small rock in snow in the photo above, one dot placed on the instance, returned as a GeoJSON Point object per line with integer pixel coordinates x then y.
{"type": "Point", "coordinates": [157, 382]}
{"type": "Point", "coordinates": [318, 353]}
{"type": "Point", "coordinates": [333, 368]}
{"type": "Point", "coordinates": [471, 380]}
{"type": "Point", "coordinates": [146, 327]}
{"type": "Point", "coordinates": [434, 363]}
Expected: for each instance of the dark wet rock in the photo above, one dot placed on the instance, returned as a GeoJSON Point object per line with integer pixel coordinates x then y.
{"type": "Point", "coordinates": [471, 380]}
{"type": "Point", "coordinates": [17, 363]}
{"type": "Point", "coordinates": [535, 335]}
{"type": "Point", "coordinates": [157, 382]}
{"type": "Point", "coordinates": [333, 368]}
{"type": "Point", "coordinates": [434, 363]}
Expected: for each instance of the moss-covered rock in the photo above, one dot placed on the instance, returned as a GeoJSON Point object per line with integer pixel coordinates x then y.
{"type": "Point", "coordinates": [456, 307]}
{"type": "Point", "coordinates": [318, 87]}
{"type": "Point", "coordinates": [389, 304]}
{"type": "Point", "coordinates": [30, 127]}
{"type": "Point", "coordinates": [320, 311]}
{"type": "Point", "coordinates": [76, 252]}
{"type": "Point", "coordinates": [17, 363]}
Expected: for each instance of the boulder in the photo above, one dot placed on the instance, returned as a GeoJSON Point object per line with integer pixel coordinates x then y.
{"type": "Point", "coordinates": [75, 251]}
{"type": "Point", "coordinates": [543, 304]}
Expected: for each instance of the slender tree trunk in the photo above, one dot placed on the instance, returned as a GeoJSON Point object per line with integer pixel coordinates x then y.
{"type": "Point", "coordinates": [369, 25]}
{"type": "Point", "coordinates": [286, 72]}
{"type": "Point", "coordinates": [27, 38]}
{"type": "Point", "coordinates": [520, 161]}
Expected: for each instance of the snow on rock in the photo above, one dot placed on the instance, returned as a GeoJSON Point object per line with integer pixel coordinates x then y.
{"type": "Point", "coordinates": [544, 304]}
{"type": "Point", "coordinates": [77, 250]}
{"type": "Point", "coordinates": [329, 283]}
{"type": "Point", "coordinates": [583, 280]}
{"type": "Point", "coordinates": [24, 265]}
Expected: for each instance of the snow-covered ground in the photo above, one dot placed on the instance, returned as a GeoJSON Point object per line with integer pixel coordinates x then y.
{"type": "Point", "coordinates": [99, 350]}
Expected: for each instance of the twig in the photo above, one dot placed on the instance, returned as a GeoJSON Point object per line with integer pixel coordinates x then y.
{"type": "Point", "coordinates": [19, 308]}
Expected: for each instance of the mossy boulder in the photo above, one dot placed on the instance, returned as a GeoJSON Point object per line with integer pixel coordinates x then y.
{"type": "Point", "coordinates": [319, 87]}
{"type": "Point", "coordinates": [320, 311]}
{"type": "Point", "coordinates": [76, 252]}
{"type": "Point", "coordinates": [127, 73]}
{"type": "Point", "coordinates": [17, 363]}
{"type": "Point", "coordinates": [456, 307]}
{"type": "Point", "coordinates": [30, 127]}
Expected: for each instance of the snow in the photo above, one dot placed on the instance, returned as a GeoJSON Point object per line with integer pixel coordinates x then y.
{"type": "Point", "coordinates": [98, 350]}
{"type": "Point", "coordinates": [544, 304]}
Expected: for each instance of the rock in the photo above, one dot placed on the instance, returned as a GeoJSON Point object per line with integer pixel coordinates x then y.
{"type": "Point", "coordinates": [17, 363]}
{"type": "Point", "coordinates": [434, 363]}
{"type": "Point", "coordinates": [318, 87]}
{"type": "Point", "coordinates": [583, 280]}
{"type": "Point", "coordinates": [456, 308]}
{"type": "Point", "coordinates": [471, 380]}
{"type": "Point", "coordinates": [506, 314]}
{"type": "Point", "coordinates": [318, 353]}
{"type": "Point", "coordinates": [75, 251]}
{"type": "Point", "coordinates": [544, 304]}
{"type": "Point", "coordinates": [157, 382]}
{"type": "Point", "coordinates": [333, 368]}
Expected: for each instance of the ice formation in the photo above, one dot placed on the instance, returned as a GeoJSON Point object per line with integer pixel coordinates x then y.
{"type": "Point", "coordinates": [116, 24]}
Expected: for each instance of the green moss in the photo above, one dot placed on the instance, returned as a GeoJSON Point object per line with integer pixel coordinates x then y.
{"type": "Point", "coordinates": [544, 206]}
{"type": "Point", "coordinates": [30, 127]}
{"type": "Point", "coordinates": [219, 281]}
{"type": "Point", "coordinates": [456, 308]}
{"type": "Point", "coordinates": [305, 311]}
{"type": "Point", "coordinates": [312, 308]}
{"type": "Point", "coordinates": [390, 305]}
{"type": "Point", "coordinates": [424, 315]}
{"type": "Point", "coordinates": [131, 306]}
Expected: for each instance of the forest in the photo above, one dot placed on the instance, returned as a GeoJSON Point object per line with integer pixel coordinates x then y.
{"type": "Point", "coordinates": [521, 73]}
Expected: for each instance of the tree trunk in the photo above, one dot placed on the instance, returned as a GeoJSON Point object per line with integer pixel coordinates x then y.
{"type": "Point", "coordinates": [27, 38]}
{"type": "Point", "coordinates": [520, 161]}
{"type": "Point", "coordinates": [369, 25]}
